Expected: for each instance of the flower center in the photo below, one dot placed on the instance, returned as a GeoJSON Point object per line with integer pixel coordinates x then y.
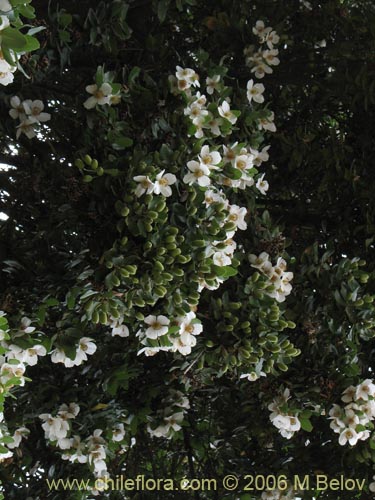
{"type": "Point", "coordinates": [99, 94]}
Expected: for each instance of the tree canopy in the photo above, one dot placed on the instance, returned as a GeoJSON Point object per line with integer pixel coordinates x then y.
{"type": "Point", "coordinates": [187, 246]}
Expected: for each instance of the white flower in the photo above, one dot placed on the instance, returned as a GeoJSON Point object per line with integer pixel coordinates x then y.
{"type": "Point", "coordinates": [55, 428]}
{"type": "Point", "coordinates": [198, 173]}
{"type": "Point", "coordinates": [151, 351]}
{"type": "Point", "coordinates": [183, 346]}
{"type": "Point", "coordinates": [306, 4]}
{"type": "Point", "coordinates": [26, 127]}
{"type": "Point", "coordinates": [209, 158]}
{"type": "Point", "coordinates": [196, 113]}
{"type": "Point", "coordinates": [260, 29]}
{"type": "Point", "coordinates": [187, 327]}
{"type": "Point", "coordinates": [225, 112]}
{"type": "Point", "coordinates": [369, 409]}
{"type": "Point", "coordinates": [230, 153]}
{"type": "Point", "coordinates": [221, 259]}
{"type": "Point", "coordinates": [18, 108]}
{"type": "Point", "coordinates": [212, 84]}
{"type": "Point", "coordinates": [372, 485]}
{"type": "Point", "coordinates": [261, 69]}
{"type": "Point", "coordinates": [158, 326]}
{"type": "Point", "coordinates": [365, 389]}
{"type": "Point", "coordinates": [252, 376]}
{"type": "Point", "coordinates": [348, 435]}
{"type": "Point", "coordinates": [163, 183]}
{"type": "Point", "coordinates": [214, 125]}
{"type": "Point", "coordinates": [34, 111]}
{"type": "Point", "coordinates": [118, 432]}
{"type": "Point", "coordinates": [95, 438]}
{"type": "Point", "coordinates": [115, 99]}
{"type": "Point", "coordinates": [199, 128]}
{"type": "Point", "coordinates": [337, 425]}
{"type": "Point", "coordinates": [59, 356]}
{"type": "Point", "coordinates": [243, 162]}
{"type": "Point", "coordinates": [260, 262]}
{"type": "Point", "coordinates": [262, 185]}
{"type": "Point", "coordinates": [188, 76]}
{"type": "Point", "coordinates": [145, 185]}
{"type": "Point", "coordinates": [174, 421]}
{"type": "Point", "coordinates": [351, 418]}
{"type": "Point", "coordinates": [79, 454]}
{"type": "Point", "coordinates": [271, 38]}
{"type": "Point", "coordinates": [68, 411]}
{"type": "Point", "coordinates": [19, 433]}
{"type": "Point", "coordinates": [287, 424]}
{"type": "Point", "coordinates": [199, 99]}
{"type": "Point", "coordinates": [270, 56]}
{"type": "Point", "coordinates": [237, 215]}
{"type": "Point", "coordinates": [97, 457]}
{"type": "Point", "coordinates": [5, 6]}
{"type": "Point", "coordinates": [255, 91]}
{"type": "Point", "coordinates": [118, 328]}
{"type": "Point", "coordinates": [184, 85]}
{"type": "Point", "coordinates": [184, 73]}
{"type": "Point", "coordinates": [9, 371]}
{"type": "Point", "coordinates": [260, 156]}
{"type": "Point", "coordinates": [30, 355]}
{"type": "Point", "coordinates": [6, 71]}
{"type": "Point", "coordinates": [267, 123]}
{"type": "Point", "coordinates": [211, 196]}
{"type": "Point", "coordinates": [100, 95]}
{"type": "Point", "coordinates": [86, 346]}
{"type": "Point", "coordinates": [25, 325]}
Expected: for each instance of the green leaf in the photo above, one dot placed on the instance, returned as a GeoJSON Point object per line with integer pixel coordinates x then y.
{"type": "Point", "coordinates": [119, 141]}
{"type": "Point", "coordinates": [306, 424]}
{"type": "Point", "coordinates": [64, 36]}
{"type": "Point", "coordinates": [7, 439]}
{"type": "Point", "coordinates": [3, 449]}
{"type": "Point", "coordinates": [162, 9]}
{"type": "Point", "coordinates": [31, 44]}
{"type": "Point", "coordinates": [65, 19]}
{"type": "Point", "coordinates": [134, 73]}
{"type": "Point", "coordinates": [27, 11]}
{"type": "Point", "coordinates": [224, 271]}
{"type": "Point", "coordinates": [13, 39]}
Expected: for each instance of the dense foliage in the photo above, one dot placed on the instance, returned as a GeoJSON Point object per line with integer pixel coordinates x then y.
{"type": "Point", "coordinates": [150, 240]}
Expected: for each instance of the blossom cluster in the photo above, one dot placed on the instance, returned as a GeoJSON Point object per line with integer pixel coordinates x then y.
{"type": "Point", "coordinates": [354, 421]}
{"type": "Point", "coordinates": [13, 362]}
{"type": "Point", "coordinates": [93, 450]}
{"type": "Point", "coordinates": [214, 168]}
{"type": "Point", "coordinates": [278, 279]}
{"type": "Point", "coordinates": [30, 114]}
{"type": "Point", "coordinates": [172, 416]}
{"type": "Point", "coordinates": [6, 69]}
{"type": "Point", "coordinates": [161, 184]}
{"type": "Point", "coordinates": [178, 335]}
{"type": "Point", "coordinates": [56, 428]}
{"type": "Point", "coordinates": [261, 61]}
{"type": "Point", "coordinates": [17, 436]}
{"type": "Point", "coordinates": [101, 95]}
{"type": "Point", "coordinates": [86, 346]}
{"type": "Point", "coordinates": [11, 374]}
{"type": "Point", "coordinates": [282, 418]}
